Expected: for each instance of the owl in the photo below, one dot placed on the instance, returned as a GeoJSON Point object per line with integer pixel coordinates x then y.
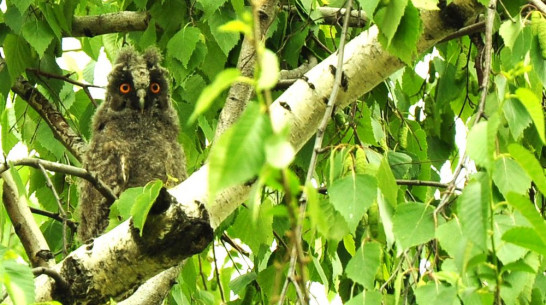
{"type": "Point", "coordinates": [134, 136]}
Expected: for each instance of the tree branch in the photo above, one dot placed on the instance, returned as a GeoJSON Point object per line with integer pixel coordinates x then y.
{"type": "Point", "coordinates": [25, 226]}
{"type": "Point", "coordinates": [333, 15]}
{"type": "Point", "coordinates": [58, 124]}
{"type": "Point", "coordinates": [119, 22]}
{"type": "Point", "coordinates": [104, 189]}
{"type": "Point", "coordinates": [239, 94]}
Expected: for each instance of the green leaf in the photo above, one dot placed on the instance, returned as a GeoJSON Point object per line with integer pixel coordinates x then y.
{"type": "Point", "coordinates": [239, 153]}
{"type": "Point", "coordinates": [432, 294]}
{"type": "Point", "coordinates": [509, 31]}
{"type": "Point", "coordinates": [363, 267]}
{"type": "Point", "coordinates": [39, 35]}
{"type": "Point", "coordinates": [368, 297]}
{"type": "Point", "coordinates": [388, 17]}
{"type": "Point", "coordinates": [292, 51]}
{"type": "Point", "coordinates": [18, 55]}
{"type": "Point", "coordinates": [144, 202]}
{"type": "Point", "coordinates": [534, 108]}
{"type": "Point", "coordinates": [226, 40]}
{"type": "Point", "coordinates": [404, 42]}
{"type": "Point", "coordinates": [210, 6]}
{"type": "Point", "coordinates": [22, 5]}
{"type": "Point", "coordinates": [351, 196]}
{"type": "Point", "coordinates": [478, 145]}
{"type": "Point", "coordinates": [182, 45]}
{"type": "Point", "coordinates": [510, 177]}
{"type": "Point", "coordinates": [328, 222]}
{"type": "Point", "coordinates": [140, 4]}
{"type": "Point", "coordinates": [525, 237]}
{"type": "Point", "coordinates": [18, 281]}
{"type": "Point", "coordinates": [238, 284]}
{"type": "Point", "coordinates": [369, 6]}
{"type": "Point", "coordinates": [149, 36]}
{"type": "Point", "coordinates": [413, 224]}
{"type": "Point", "coordinates": [527, 209]}
{"type": "Point", "coordinates": [279, 152]}
{"type": "Point", "coordinates": [530, 164]}
{"type": "Point", "coordinates": [255, 232]}
{"type": "Point", "coordinates": [211, 92]}
{"type": "Point", "coordinates": [269, 71]}
{"type": "Point", "coordinates": [9, 137]}
{"type": "Point", "coordinates": [473, 207]}
{"type": "Point", "coordinates": [517, 117]}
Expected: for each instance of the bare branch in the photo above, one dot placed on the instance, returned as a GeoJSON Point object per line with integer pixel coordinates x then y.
{"type": "Point", "coordinates": [59, 280]}
{"type": "Point", "coordinates": [119, 22]}
{"type": "Point", "coordinates": [25, 226]}
{"type": "Point", "coordinates": [104, 189]}
{"type": "Point", "coordinates": [58, 124]}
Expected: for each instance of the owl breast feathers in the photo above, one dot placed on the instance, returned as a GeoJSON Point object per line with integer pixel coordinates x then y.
{"type": "Point", "coordinates": [134, 136]}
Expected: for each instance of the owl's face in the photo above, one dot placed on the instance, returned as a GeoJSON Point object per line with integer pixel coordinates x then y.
{"type": "Point", "coordinates": [138, 82]}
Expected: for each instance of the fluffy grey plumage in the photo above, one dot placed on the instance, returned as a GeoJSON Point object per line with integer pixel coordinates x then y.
{"type": "Point", "coordinates": [134, 136]}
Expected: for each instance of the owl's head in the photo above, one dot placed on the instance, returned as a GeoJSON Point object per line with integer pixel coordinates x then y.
{"type": "Point", "coordinates": [138, 81]}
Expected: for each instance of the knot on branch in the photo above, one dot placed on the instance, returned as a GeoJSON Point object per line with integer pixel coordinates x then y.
{"type": "Point", "coordinates": [171, 231]}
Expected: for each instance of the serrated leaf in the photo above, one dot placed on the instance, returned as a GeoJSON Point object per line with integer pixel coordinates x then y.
{"type": "Point", "coordinates": [368, 297]}
{"type": "Point", "coordinates": [432, 293]}
{"type": "Point", "coordinates": [404, 42]}
{"type": "Point", "coordinates": [241, 282]}
{"type": "Point", "coordinates": [413, 224]}
{"type": "Point", "coordinates": [144, 202]}
{"type": "Point", "coordinates": [239, 153]}
{"type": "Point", "coordinates": [222, 81]}
{"type": "Point", "coordinates": [351, 196]}
{"type": "Point", "coordinates": [255, 232]}
{"type": "Point", "coordinates": [22, 5]}
{"type": "Point", "coordinates": [510, 177]}
{"type": "Point", "coordinates": [517, 117]}
{"type": "Point", "coordinates": [39, 35]}
{"type": "Point", "coordinates": [364, 265]}
{"type": "Point", "coordinates": [369, 6]}
{"type": "Point", "coordinates": [473, 207]}
{"type": "Point", "coordinates": [9, 137]}
{"type": "Point", "coordinates": [269, 71]}
{"type": "Point", "coordinates": [18, 55]}
{"type": "Point", "coordinates": [530, 164]}
{"type": "Point", "coordinates": [226, 40]}
{"type": "Point", "coordinates": [477, 145]}
{"type": "Point", "coordinates": [534, 108]}
{"type": "Point", "coordinates": [182, 45]}
{"type": "Point", "coordinates": [18, 281]}
{"type": "Point", "coordinates": [388, 17]}
{"type": "Point", "coordinates": [509, 31]}
{"type": "Point", "coordinates": [527, 209]}
{"type": "Point", "coordinates": [525, 237]}
{"type": "Point", "coordinates": [149, 36]}
{"type": "Point", "coordinates": [210, 6]}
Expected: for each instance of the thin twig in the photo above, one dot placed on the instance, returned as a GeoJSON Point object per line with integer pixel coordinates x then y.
{"type": "Point", "coordinates": [67, 79]}
{"type": "Point", "coordinates": [49, 184]}
{"type": "Point", "coordinates": [59, 280]}
{"type": "Point", "coordinates": [217, 273]}
{"type": "Point", "coordinates": [481, 107]}
{"type": "Point", "coordinates": [55, 216]}
{"type": "Point", "coordinates": [318, 144]}
{"type": "Point", "coordinates": [540, 5]}
{"type": "Point", "coordinates": [104, 189]}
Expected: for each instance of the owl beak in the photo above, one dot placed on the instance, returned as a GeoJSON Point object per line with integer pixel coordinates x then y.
{"type": "Point", "coordinates": [141, 94]}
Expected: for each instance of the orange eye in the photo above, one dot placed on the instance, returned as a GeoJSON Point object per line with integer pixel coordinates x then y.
{"type": "Point", "coordinates": [155, 88]}
{"type": "Point", "coordinates": [125, 88]}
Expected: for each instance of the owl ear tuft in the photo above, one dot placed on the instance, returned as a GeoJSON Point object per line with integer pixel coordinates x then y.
{"type": "Point", "coordinates": [127, 56]}
{"type": "Point", "coordinates": [152, 56]}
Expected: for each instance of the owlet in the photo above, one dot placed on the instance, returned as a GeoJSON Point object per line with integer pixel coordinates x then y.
{"type": "Point", "coordinates": [134, 136]}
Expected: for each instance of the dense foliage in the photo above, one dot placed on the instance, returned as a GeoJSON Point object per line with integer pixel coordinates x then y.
{"type": "Point", "coordinates": [381, 223]}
